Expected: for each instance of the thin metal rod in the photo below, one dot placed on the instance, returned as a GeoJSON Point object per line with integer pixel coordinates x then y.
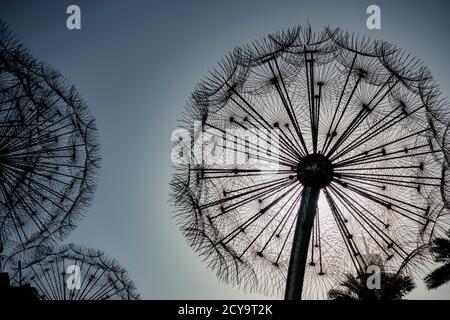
{"type": "Point", "coordinates": [20, 273]}
{"type": "Point", "coordinates": [300, 245]}
{"type": "Point", "coordinates": [1, 254]}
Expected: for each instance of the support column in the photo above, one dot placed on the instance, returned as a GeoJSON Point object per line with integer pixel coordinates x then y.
{"type": "Point", "coordinates": [300, 245]}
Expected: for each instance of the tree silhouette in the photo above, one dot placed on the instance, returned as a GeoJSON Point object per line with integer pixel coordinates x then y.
{"type": "Point", "coordinates": [54, 274]}
{"type": "Point", "coordinates": [441, 250]}
{"type": "Point", "coordinates": [302, 122]}
{"type": "Point", "coordinates": [392, 287]}
{"type": "Point", "coordinates": [49, 152]}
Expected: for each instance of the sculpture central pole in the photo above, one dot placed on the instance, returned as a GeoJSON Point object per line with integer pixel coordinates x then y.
{"type": "Point", "coordinates": [300, 245]}
{"type": "Point", "coordinates": [314, 172]}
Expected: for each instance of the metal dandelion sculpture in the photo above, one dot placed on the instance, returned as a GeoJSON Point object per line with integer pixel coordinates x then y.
{"type": "Point", "coordinates": [73, 272]}
{"type": "Point", "coordinates": [304, 154]}
{"type": "Point", "coordinates": [48, 152]}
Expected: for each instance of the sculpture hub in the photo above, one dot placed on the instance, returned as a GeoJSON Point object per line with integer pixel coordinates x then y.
{"type": "Point", "coordinates": [315, 170]}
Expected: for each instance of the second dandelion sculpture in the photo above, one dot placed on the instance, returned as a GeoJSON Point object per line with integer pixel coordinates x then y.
{"type": "Point", "coordinates": [93, 275]}
{"type": "Point", "coordinates": [304, 154]}
{"type": "Point", "coordinates": [49, 153]}
{"type": "Point", "coordinates": [49, 159]}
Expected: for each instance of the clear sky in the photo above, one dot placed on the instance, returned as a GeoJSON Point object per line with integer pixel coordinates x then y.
{"type": "Point", "coordinates": [135, 63]}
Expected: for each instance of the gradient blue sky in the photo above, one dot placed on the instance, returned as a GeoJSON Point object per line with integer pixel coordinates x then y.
{"type": "Point", "coordinates": [135, 62]}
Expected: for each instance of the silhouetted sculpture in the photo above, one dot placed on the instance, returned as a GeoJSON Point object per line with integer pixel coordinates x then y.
{"type": "Point", "coordinates": [73, 272]}
{"type": "Point", "coordinates": [49, 156]}
{"type": "Point", "coordinates": [300, 120]}
{"type": "Point", "coordinates": [49, 153]}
